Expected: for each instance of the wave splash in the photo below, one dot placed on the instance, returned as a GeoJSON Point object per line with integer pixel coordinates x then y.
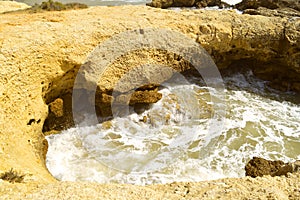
{"type": "Point", "coordinates": [169, 143]}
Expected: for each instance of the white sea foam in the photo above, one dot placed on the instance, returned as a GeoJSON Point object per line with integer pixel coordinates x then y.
{"type": "Point", "coordinates": [181, 147]}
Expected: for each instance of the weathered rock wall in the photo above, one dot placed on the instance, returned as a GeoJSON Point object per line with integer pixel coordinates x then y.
{"type": "Point", "coordinates": [41, 53]}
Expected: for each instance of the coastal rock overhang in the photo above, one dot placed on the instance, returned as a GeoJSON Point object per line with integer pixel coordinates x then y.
{"type": "Point", "coordinates": [41, 54]}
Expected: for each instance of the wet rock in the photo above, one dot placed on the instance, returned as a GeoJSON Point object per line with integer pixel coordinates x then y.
{"type": "Point", "coordinates": [160, 4]}
{"type": "Point", "coordinates": [211, 3]}
{"type": "Point", "coordinates": [296, 86]}
{"type": "Point", "coordinates": [139, 108]}
{"type": "Point", "coordinates": [107, 125]}
{"type": "Point", "coordinates": [139, 99]}
{"type": "Point", "coordinates": [45, 148]}
{"type": "Point", "coordinates": [270, 4]}
{"type": "Point", "coordinates": [260, 167]}
{"type": "Point", "coordinates": [183, 3]}
{"type": "Point", "coordinates": [284, 12]}
{"type": "Point", "coordinates": [103, 104]}
{"type": "Point", "coordinates": [187, 3]}
{"type": "Point", "coordinates": [145, 97]}
{"type": "Point", "coordinates": [170, 3]}
{"type": "Point", "coordinates": [270, 8]}
{"type": "Point", "coordinates": [288, 168]}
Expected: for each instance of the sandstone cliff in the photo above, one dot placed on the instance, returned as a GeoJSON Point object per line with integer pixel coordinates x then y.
{"type": "Point", "coordinates": [41, 53]}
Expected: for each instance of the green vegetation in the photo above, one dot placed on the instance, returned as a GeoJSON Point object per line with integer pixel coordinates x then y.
{"type": "Point", "coordinates": [12, 176]}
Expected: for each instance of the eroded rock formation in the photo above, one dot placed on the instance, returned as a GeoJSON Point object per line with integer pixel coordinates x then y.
{"type": "Point", "coordinates": [270, 4]}
{"type": "Point", "coordinates": [280, 8]}
{"type": "Point", "coordinates": [260, 167]}
{"type": "Point", "coordinates": [41, 54]}
{"type": "Point", "coordinates": [187, 3]}
{"type": "Point", "coordinates": [243, 5]}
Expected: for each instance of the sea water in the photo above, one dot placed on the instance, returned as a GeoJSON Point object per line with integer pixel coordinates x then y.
{"type": "Point", "coordinates": [169, 142]}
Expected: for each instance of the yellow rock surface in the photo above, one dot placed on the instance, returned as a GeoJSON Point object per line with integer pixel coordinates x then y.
{"type": "Point", "coordinates": [40, 54]}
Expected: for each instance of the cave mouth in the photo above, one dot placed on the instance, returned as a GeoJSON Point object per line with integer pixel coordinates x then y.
{"type": "Point", "coordinates": [60, 116]}
{"type": "Point", "coordinates": [60, 111]}
{"type": "Point", "coordinates": [242, 85]}
{"type": "Point", "coordinates": [58, 95]}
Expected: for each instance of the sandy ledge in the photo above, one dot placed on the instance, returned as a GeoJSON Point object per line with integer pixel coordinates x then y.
{"type": "Point", "coordinates": [232, 188]}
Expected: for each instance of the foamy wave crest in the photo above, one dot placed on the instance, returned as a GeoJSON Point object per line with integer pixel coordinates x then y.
{"type": "Point", "coordinates": [167, 143]}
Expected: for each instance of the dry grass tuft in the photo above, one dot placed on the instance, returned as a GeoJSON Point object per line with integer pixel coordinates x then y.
{"type": "Point", "coordinates": [12, 176]}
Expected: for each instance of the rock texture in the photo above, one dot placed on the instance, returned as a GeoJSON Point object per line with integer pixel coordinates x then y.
{"type": "Point", "coordinates": [243, 5]}
{"type": "Point", "coordinates": [261, 167]}
{"type": "Point", "coordinates": [246, 188]}
{"type": "Point", "coordinates": [41, 53]}
{"type": "Point", "coordinates": [284, 12]}
{"type": "Point", "coordinates": [270, 4]}
{"type": "Point", "coordinates": [187, 3]}
{"type": "Point", "coordinates": [288, 168]}
{"type": "Point", "coordinates": [279, 8]}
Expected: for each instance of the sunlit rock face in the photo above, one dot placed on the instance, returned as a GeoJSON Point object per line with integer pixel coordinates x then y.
{"type": "Point", "coordinates": [41, 54]}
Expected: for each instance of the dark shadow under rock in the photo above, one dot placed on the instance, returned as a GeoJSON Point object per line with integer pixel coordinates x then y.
{"type": "Point", "coordinates": [60, 110]}
{"type": "Point", "coordinates": [60, 115]}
